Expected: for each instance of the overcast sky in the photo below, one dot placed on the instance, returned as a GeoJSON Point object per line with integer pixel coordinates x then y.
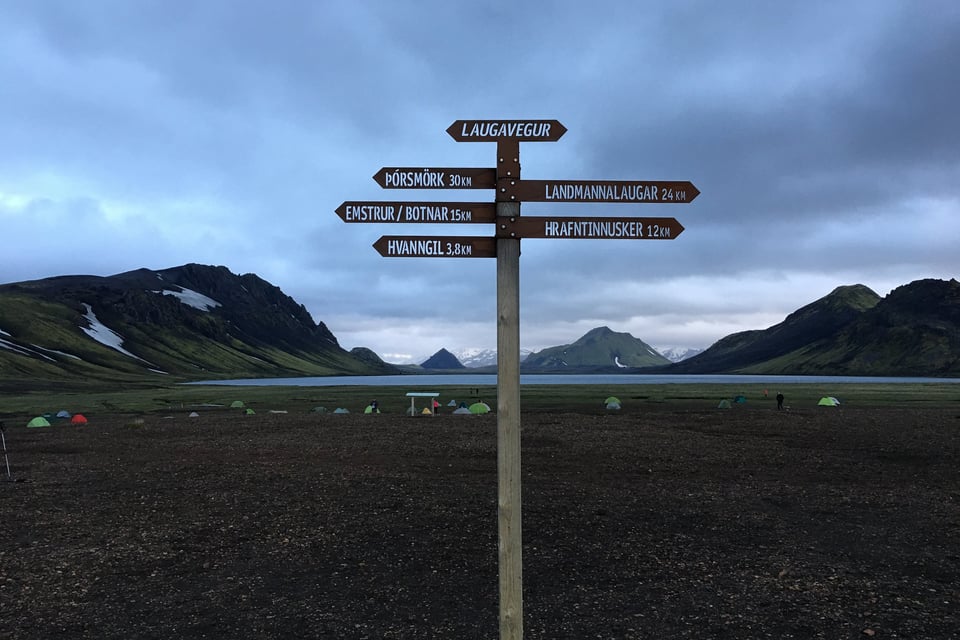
{"type": "Point", "coordinates": [824, 138]}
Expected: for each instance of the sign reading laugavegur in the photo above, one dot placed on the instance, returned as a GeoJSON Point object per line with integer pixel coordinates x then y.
{"type": "Point", "coordinates": [520, 130]}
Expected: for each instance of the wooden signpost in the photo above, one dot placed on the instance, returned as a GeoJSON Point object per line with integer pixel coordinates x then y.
{"type": "Point", "coordinates": [504, 245]}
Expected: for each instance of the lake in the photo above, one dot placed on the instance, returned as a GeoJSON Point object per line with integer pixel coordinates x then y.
{"type": "Point", "coordinates": [478, 380]}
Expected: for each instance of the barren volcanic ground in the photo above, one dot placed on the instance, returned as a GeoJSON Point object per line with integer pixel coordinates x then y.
{"type": "Point", "coordinates": [660, 523]}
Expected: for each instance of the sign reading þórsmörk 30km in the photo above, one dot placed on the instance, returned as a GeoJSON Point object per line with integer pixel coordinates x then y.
{"type": "Point", "coordinates": [504, 245]}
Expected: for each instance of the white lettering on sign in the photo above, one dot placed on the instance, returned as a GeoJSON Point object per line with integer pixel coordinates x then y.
{"type": "Point", "coordinates": [414, 248]}
{"type": "Point", "coordinates": [430, 213]}
{"type": "Point", "coordinates": [425, 179]}
{"type": "Point", "coordinates": [593, 229]}
{"type": "Point", "coordinates": [425, 247]}
{"type": "Point", "coordinates": [606, 192]}
{"type": "Point", "coordinates": [371, 213]}
{"type": "Point", "coordinates": [505, 129]}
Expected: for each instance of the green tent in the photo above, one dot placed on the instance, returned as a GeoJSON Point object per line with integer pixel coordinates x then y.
{"type": "Point", "coordinates": [724, 404]}
{"type": "Point", "coordinates": [237, 404]}
{"type": "Point", "coordinates": [39, 421]}
{"type": "Point", "coordinates": [828, 401]}
{"type": "Point", "coordinates": [250, 412]}
{"type": "Point", "coordinates": [371, 409]}
{"type": "Point", "coordinates": [612, 400]}
{"type": "Point", "coordinates": [319, 410]}
{"type": "Point", "coordinates": [479, 407]}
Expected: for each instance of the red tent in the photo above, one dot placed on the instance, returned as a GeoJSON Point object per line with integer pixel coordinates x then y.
{"type": "Point", "coordinates": [78, 419]}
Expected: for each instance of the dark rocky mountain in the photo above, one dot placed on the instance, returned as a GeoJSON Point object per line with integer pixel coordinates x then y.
{"type": "Point", "coordinates": [913, 331]}
{"type": "Point", "coordinates": [193, 321]}
{"type": "Point", "coordinates": [442, 360]}
{"type": "Point", "coordinates": [599, 349]}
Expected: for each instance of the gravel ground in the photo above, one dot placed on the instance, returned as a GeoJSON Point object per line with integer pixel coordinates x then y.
{"type": "Point", "coordinates": [745, 523]}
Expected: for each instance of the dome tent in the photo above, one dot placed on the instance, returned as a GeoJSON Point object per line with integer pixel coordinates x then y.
{"type": "Point", "coordinates": [479, 408]}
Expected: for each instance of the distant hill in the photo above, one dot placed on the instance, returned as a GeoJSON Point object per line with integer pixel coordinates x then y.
{"type": "Point", "coordinates": [914, 331]}
{"type": "Point", "coordinates": [598, 349]}
{"type": "Point", "coordinates": [442, 359]}
{"type": "Point", "coordinates": [478, 358]}
{"type": "Point", "coordinates": [188, 322]}
{"type": "Point", "coordinates": [678, 354]}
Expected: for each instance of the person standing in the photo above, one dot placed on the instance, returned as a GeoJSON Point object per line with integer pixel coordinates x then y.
{"type": "Point", "coordinates": [779, 401]}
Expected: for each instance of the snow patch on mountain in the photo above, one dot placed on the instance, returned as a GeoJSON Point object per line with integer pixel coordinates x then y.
{"type": "Point", "coordinates": [473, 358]}
{"type": "Point", "coordinates": [104, 334]}
{"type": "Point", "coordinates": [192, 298]}
{"type": "Point", "coordinates": [676, 354]}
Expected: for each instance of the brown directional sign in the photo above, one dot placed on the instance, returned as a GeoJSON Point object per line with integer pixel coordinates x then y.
{"type": "Point", "coordinates": [494, 130]}
{"type": "Point", "coordinates": [418, 212]}
{"type": "Point", "coordinates": [442, 178]}
{"type": "Point", "coordinates": [436, 247]}
{"type": "Point", "coordinates": [589, 228]}
{"type": "Point", "coordinates": [627, 191]}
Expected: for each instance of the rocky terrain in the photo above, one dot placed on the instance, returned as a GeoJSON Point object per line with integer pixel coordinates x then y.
{"type": "Point", "coordinates": [652, 523]}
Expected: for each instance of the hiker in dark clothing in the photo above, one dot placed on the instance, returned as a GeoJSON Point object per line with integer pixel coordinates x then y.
{"type": "Point", "coordinates": [779, 401]}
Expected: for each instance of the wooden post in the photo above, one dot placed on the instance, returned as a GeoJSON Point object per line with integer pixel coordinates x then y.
{"type": "Point", "coordinates": [508, 407]}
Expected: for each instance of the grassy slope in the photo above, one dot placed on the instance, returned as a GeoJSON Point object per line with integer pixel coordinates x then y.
{"type": "Point", "coordinates": [180, 353]}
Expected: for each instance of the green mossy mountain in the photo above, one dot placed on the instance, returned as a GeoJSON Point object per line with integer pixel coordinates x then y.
{"type": "Point", "coordinates": [188, 322]}
{"type": "Point", "coordinates": [913, 331]}
{"type": "Point", "coordinates": [600, 349]}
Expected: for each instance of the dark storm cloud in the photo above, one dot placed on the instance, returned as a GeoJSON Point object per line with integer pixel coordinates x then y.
{"type": "Point", "coordinates": [823, 137]}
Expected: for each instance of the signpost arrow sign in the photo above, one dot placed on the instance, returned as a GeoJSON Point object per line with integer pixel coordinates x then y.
{"type": "Point", "coordinates": [436, 247]}
{"type": "Point", "coordinates": [589, 228]}
{"type": "Point", "coordinates": [416, 212]}
{"type": "Point", "coordinates": [494, 130]}
{"type": "Point", "coordinates": [510, 227]}
{"type": "Point", "coordinates": [443, 178]}
{"type": "Point", "coordinates": [629, 191]}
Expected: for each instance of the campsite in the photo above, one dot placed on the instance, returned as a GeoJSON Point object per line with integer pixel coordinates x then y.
{"type": "Point", "coordinates": [665, 517]}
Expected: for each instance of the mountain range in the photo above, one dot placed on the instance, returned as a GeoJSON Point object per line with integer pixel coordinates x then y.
{"type": "Point", "coordinates": [193, 322]}
{"type": "Point", "coordinates": [913, 331]}
{"type": "Point", "coordinates": [204, 322]}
